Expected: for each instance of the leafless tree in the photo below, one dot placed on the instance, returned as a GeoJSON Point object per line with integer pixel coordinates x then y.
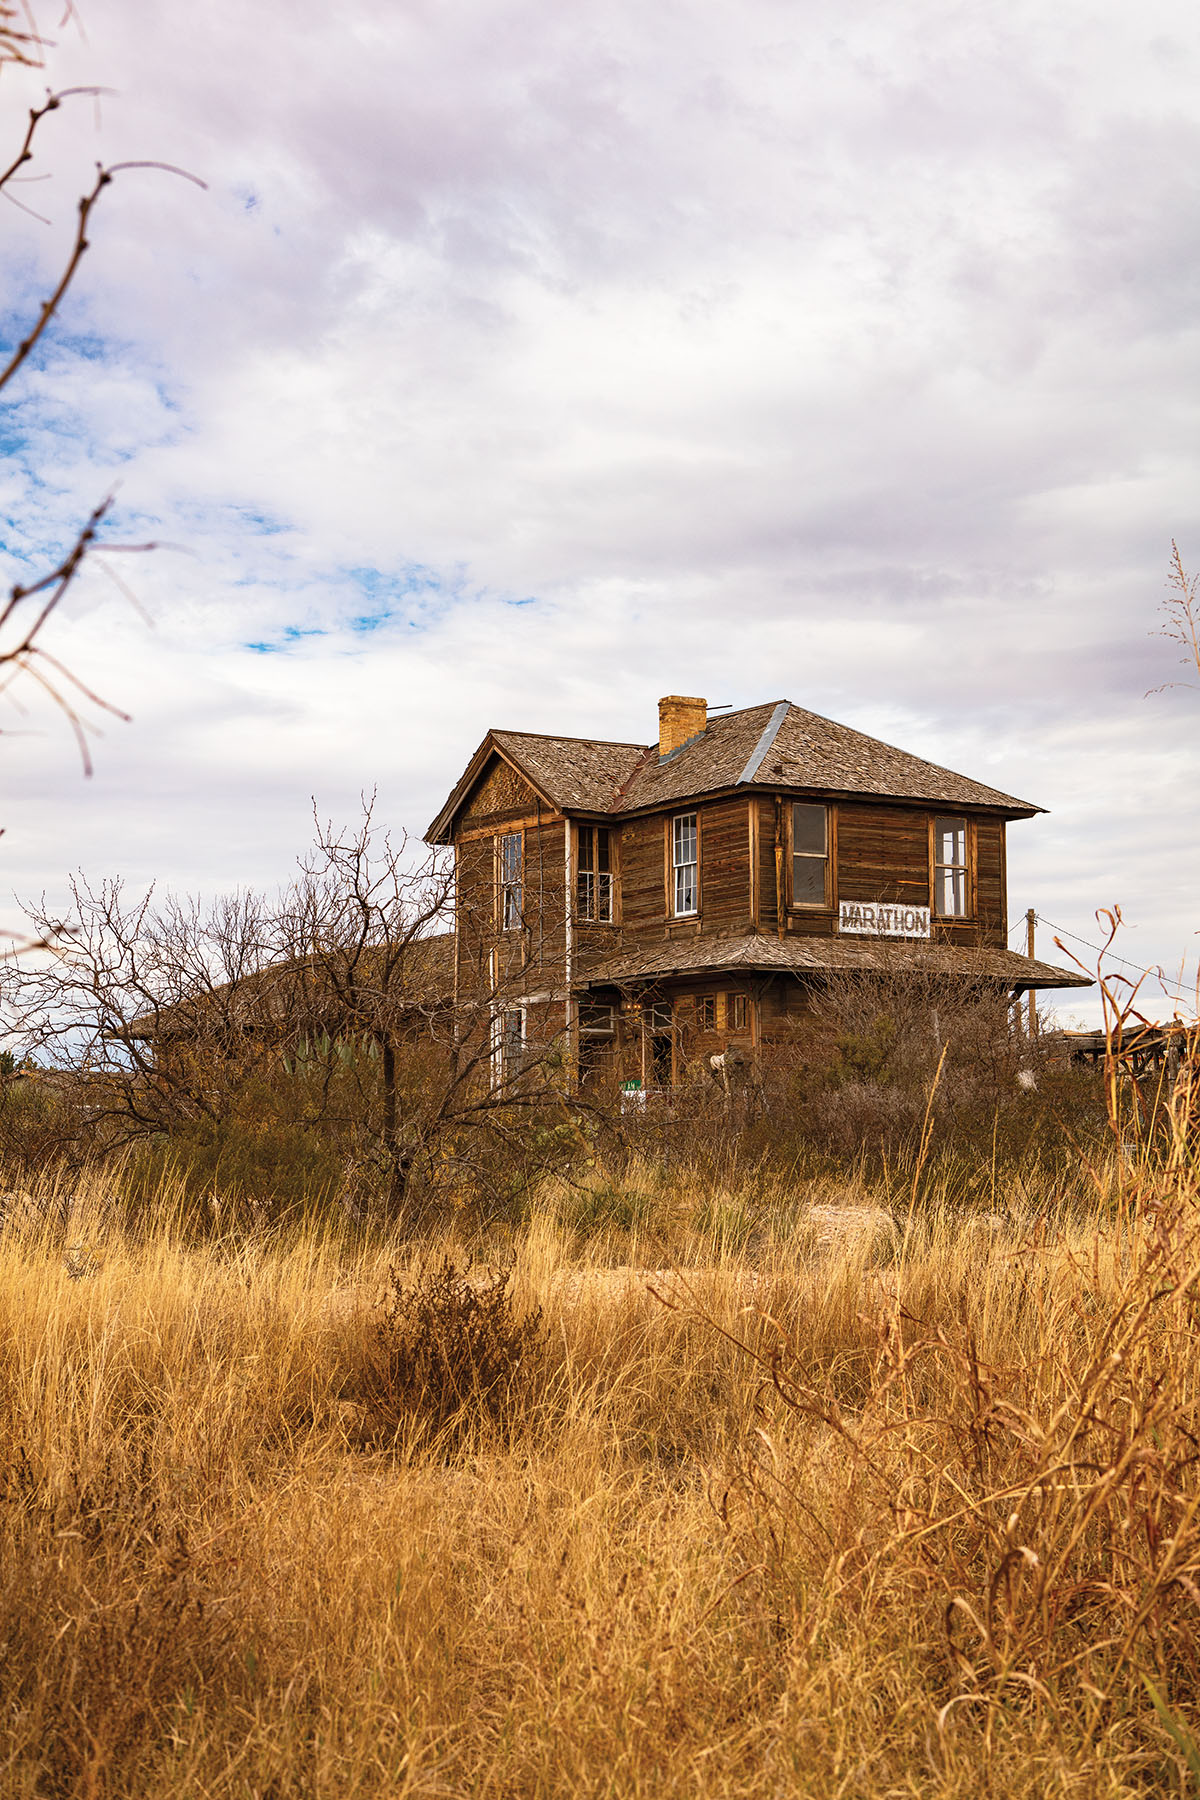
{"type": "Point", "coordinates": [331, 1004]}
{"type": "Point", "coordinates": [28, 606]}
{"type": "Point", "coordinates": [373, 998]}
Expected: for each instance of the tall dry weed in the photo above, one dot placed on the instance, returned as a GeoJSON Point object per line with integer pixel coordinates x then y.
{"type": "Point", "coordinates": [809, 1520]}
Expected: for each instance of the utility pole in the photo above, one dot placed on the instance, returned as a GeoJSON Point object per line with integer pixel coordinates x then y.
{"type": "Point", "coordinates": [1030, 922]}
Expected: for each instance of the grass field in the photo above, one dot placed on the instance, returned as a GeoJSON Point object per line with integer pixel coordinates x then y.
{"type": "Point", "coordinates": [812, 1511]}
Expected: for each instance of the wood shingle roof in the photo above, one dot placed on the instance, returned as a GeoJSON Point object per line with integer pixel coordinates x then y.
{"type": "Point", "coordinates": [774, 745]}
{"type": "Point", "coordinates": [767, 955]}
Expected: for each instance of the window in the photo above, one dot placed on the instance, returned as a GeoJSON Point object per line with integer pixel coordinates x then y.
{"type": "Point", "coordinates": [685, 889]}
{"type": "Point", "coordinates": [706, 1012]}
{"type": "Point", "coordinates": [735, 1012]}
{"type": "Point", "coordinates": [511, 1041]}
{"type": "Point", "coordinates": [509, 858]}
{"type": "Point", "coordinates": [659, 1020]}
{"type": "Point", "coordinates": [810, 854]}
{"type": "Point", "coordinates": [593, 880]}
{"type": "Point", "coordinates": [597, 1038]}
{"type": "Point", "coordinates": [597, 1018]}
{"type": "Point", "coordinates": [950, 875]}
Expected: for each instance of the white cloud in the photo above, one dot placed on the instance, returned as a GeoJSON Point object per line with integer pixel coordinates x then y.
{"type": "Point", "coordinates": [764, 349]}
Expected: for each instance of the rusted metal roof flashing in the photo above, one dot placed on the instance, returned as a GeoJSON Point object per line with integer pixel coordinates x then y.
{"type": "Point", "coordinates": [765, 741]}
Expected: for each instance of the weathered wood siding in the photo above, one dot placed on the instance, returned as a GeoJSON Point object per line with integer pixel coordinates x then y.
{"type": "Point", "coordinates": [990, 882]}
{"type": "Point", "coordinates": [883, 854]}
{"type": "Point", "coordinates": [769, 820]}
{"type": "Point", "coordinates": [726, 902]}
{"type": "Point", "coordinates": [724, 865]}
{"type": "Point", "coordinates": [530, 955]}
{"type": "Point", "coordinates": [643, 874]}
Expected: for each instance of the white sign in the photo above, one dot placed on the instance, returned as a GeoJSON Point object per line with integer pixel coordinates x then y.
{"type": "Point", "coordinates": [872, 918]}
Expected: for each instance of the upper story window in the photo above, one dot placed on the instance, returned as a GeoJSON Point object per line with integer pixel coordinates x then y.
{"type": "Point", "coordinates": [810, 854]}
{"type": "Point", "coordinates": [593, 877]}
{"type": "Point", "coordinates": [510, 861]}
{"type": "Point", "coordinates": [951, 882]}
{"type": "Point", "coordinates": [685, 888]}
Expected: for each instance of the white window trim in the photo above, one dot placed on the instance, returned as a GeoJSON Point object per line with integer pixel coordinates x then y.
{"type": "Point", "coordinates": [693, 911]}
{"type": "Point", "coordinates": [962, 868]}
{"type": "Point", "coordinates": [507, 889]}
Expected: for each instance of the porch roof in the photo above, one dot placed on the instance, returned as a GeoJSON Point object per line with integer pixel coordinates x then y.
{"type": "Point", "coordinates": [765, 955]}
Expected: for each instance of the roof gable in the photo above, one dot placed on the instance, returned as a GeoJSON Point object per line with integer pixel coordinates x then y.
{"type": "Point", "coordinates": [500, 790]}
{"type": "Point", "coordinates": [564, 774]}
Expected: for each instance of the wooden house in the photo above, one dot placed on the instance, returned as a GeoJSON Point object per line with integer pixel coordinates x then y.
{"type": "Point", "coordinates": [647, 905]}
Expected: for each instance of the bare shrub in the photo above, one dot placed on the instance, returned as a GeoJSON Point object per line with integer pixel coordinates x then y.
{"type": "Point", "coordinates": [450, 1352]}
{"type": "Point", "coordinates": [884, 1055]}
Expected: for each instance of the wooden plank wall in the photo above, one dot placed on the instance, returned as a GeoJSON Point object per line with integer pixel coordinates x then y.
{"type": "Point", "coordinates": [538, 945]}
{"type": "Point", "coordinates": [883, 854]}
{"type": "Point", "coordinates": [768, 903]}
{"type": "Point", "coordinates": [725, 865]}
{"type": "Point", "coordinates": [990, 882]}
{"type": "Point", "coordinates": [725, 902]}
{"type": "Point", "coordinates": [643, 875]}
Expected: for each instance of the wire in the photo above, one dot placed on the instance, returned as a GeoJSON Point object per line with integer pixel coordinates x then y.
{"type": "Point", "coordinates": [1101, 950]}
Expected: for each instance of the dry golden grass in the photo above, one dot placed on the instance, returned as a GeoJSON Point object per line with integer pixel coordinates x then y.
{"type": "Point", "coordinates": [852, 1517]}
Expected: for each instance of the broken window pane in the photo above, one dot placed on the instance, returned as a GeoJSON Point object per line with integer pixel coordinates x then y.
{"type": "Point", "coordinates": [686, 898]}
{"type": "Point", "coordinates": [510, 858]}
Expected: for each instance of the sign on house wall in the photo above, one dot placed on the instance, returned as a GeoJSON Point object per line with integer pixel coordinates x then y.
{"type": "Point", "coordinates": [874, 918]}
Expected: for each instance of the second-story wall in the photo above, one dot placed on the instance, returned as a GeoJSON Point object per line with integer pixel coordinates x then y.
{"type": "Point", "coordinates": [876, 852]}
{"type": "Point", "coordinates": [884, 853]}
{"type": "Point", "coordinates": [725, 860]}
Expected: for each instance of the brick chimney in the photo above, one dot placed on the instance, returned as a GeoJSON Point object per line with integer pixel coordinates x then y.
{"type": "Point", "coordinates": [680, 717]}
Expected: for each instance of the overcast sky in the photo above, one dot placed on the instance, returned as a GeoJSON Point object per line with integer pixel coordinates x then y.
{"type": "Point", "coordinates": [523, 362]}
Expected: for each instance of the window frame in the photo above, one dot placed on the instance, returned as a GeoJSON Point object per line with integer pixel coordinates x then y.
{"type": "Point", "coordinates": [660, 1025]}
{"type": "Point", "coordinates": [674, 867]}
{"type": "Point", "coordinates": [706, 1012]}
{"type": "Point", "coordinates": [599, 885]}
{"type": "Point", "coordinates": [597, 1019]}
{"type": "Point", "coordinates": [810, 906]}
{"type": "Point", "coordinates": [510, 894]}
{"type": "Point", "coordinates": [966, 867]}
{"type": "Point", "coordinates": [509, 1065]}
{"type": "Point", "coordinates": [736, 1002]}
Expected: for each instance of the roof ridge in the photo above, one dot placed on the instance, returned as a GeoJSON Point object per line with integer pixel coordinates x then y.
{"type": "Point", "coordinates": [561, 737]}
{"type": "Point", "coordinates": [770, 729]}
